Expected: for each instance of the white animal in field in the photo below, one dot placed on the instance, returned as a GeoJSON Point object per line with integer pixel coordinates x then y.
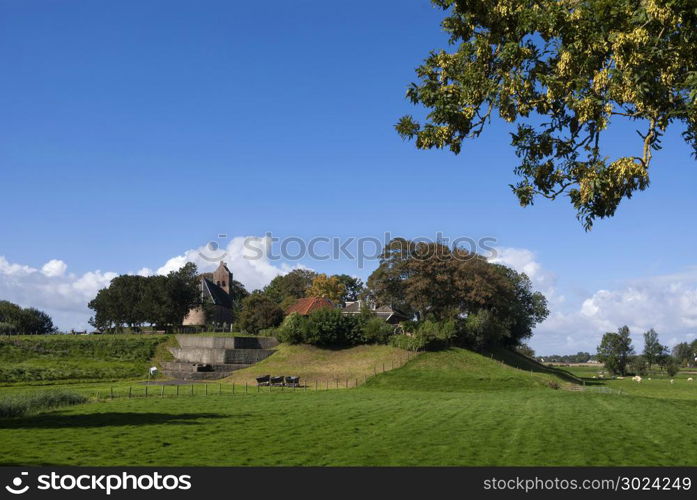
{"type": "Point", "coordinates": [620, 378]}
{"type": "Point", "coordinates": [689, 379]}
{"type": "Point", "coordinates": [636, 378]}
{"type": "Point", "coordinates": [648, 378]}
{"type": "Point", "coordinates": [672, 381]}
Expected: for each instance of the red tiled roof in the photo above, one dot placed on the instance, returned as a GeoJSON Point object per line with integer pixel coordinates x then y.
{"type": "Point", "coordinates": [306, 305]}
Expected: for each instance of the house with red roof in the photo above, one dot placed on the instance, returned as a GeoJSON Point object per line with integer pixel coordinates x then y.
{"type": "Point", "coordinates": [306, 305]}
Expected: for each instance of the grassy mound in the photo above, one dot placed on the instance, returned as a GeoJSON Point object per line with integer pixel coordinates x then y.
{"type": "Point", "coordinates": [462, 370]}
{"type": "Point", "coordinates": [313, 364]}
{"type": "Point", "coordinates": [61, 357]}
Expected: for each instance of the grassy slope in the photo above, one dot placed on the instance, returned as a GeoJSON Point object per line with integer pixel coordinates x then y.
{"type": "Point", "coordinates": [462, 370]}
{"type": "Point", "coordinates": [488, 414]}
{"type": "Point", "coordinates": [47, 359]}
{"type": "Point", "coordinates": [312, 364]}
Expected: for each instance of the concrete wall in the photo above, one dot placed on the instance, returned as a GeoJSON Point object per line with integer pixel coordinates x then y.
{"type": "Point", "coordinates": [247, 356]}
{"type": "Point", "coordinates": [199, 355]}
{"type": "Point", "coordinates": [222, 350]}
{"type": "Point", "coordinates": [197, 341]}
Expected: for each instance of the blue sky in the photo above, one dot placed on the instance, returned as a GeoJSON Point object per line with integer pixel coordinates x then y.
{"type": "Point", "coordinates": [133, 132]}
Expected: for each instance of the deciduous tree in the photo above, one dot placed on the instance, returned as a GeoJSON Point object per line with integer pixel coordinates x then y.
{"type": "Point", "coordinates": [615, 350]}
{"type": "Point", "coordinates": [562, 71]}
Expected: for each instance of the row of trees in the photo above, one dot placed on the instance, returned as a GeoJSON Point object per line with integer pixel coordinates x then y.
{"type": "Point", "coordinates": [265, 308]}
{"type": "Point", "coordinates": [16, 320]}
{"type": "Point", "coordinates": [618, 355]}
{"type": "Point", "coordinates": [135, 301]}
{"type": "Point", "coordinates": [453, 295]}
{"type": "Point", "coordinates": [579, 357]}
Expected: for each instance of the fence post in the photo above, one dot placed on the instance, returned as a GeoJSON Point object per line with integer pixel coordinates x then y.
{"type": "Point", "coordinates": [177, 389]}
{"type": "Point", "coordinates": [146, 391]}
{"type": "Point", "coordinates": [245, 387]}
{"type": "Point", "coordinates": [129, 392]}
{"type": "Point", "coordinates": [192, 389]}
{"type": "Point", "coordinates": [233, 388]}
{"type": "Point", "coordinates": [383, 366]}
{"type": "Point", "coordinates": [111, 391]}
{"type": "Point", "coordinates": [315, 384]}
{"type": "Point", "coordinates": [206, 389]}
{"type": "Point", "coordinates": [162, 392]}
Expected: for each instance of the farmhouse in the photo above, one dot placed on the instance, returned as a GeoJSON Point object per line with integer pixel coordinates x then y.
{"type": "Point", "coordinates": [386, 313]}
{"type": "Point", "coordinates": [216, 299]}
{"type": "Point", "coordinates": [306, 305]}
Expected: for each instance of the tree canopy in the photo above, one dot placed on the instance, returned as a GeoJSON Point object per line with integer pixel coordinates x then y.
{"type": "Point", "coordinates": [654, 351]}
{"type": "Point", "coordinates": [133, 301]}
{"type": "Point", "coordinates": [328, 287]}
{"type": "Point", "coordinates": [293, 285]}
{"type": "Point", "coordinates": [433, 281]}
{"type": "Point", "coordinates": [23, 321]}
{"type": "Point", "coordinates": [258, 313]}
{"type": "Point", "coordinates": [615, 350]}
{"type": "Point", "coordinates": [561, 71]}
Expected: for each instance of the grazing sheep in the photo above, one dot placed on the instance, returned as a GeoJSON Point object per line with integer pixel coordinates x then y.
{"type": "Point", "coordinates": [648, 378]}
{"type": "Point", "coordinates": [689, 379]}
{"type": "Point", "coordinates": [636, 378]}
{"type": "Point", "coordinates": [620, 378]}
{"type": "Point", "coordinates": [672, 381]}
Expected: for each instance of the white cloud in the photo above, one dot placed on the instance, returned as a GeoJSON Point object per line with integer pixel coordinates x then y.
{"type": "Point", "coordinates": [9, 269]}
{"type": "Point", "coordinates": [525, 261]}
{"type": "Point", "coordinates": [65, 295]}
{"type": "Point", "coordinates": [247, 257]}
{"type": "Point", "coordinates": [667, 303]}
{"type": "Point", "coordinates": [54, 268]}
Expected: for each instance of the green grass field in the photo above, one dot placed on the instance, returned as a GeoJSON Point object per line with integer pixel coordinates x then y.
{"type": "Point", "coordinates": [443, 408]}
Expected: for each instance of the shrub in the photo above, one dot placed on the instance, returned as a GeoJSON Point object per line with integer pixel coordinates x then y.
{"type": "Point", "coordinates": [408, 342]}
{"type": "Point", "coordinates": [482, 329]}
{"type": "Point", "coordinates": [25, 404]}
{"type": "Point", "coordinates": [292, 330]}
{"type": "Point", "coordinates": [437, 334]}
{"type": "Point", "coordinates": [638, 366]}
{"type": "Point", "coordinates": [376, 331]}
{"type": "Point", "coordinates": [671, 366]}
{"type": "Point", "coordinates": [327, 327]}
{"type": "Point", "coordinates": [258, 313]}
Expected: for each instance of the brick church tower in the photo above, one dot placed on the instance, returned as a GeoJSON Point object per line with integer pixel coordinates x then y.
{"type": "Point", "coordinates": [223, 277]}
